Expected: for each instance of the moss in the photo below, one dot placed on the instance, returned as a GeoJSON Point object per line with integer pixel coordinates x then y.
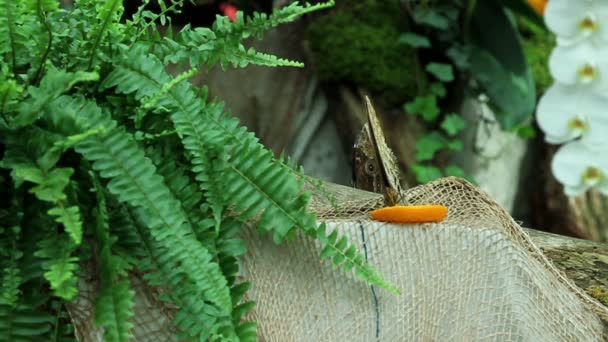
{"type": "Point", "coordinates": [598, 292]}
{"type": "Point", "coordinates": [359, 43]}
{"type": "Point", "coordinates": [537, 44]}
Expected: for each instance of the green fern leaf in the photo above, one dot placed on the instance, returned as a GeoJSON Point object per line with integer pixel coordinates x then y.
{"type": "Point", "coordinates": [113, 310]}
{"type": "Point", "coordinates": [60, 265]}
{"type": "Point", "coordinates": [14, 35]}
{"type": "Point", "coordinates": [133, 179]}
{"type": "Point", "coordinates": [53, 84]}
{"type": "Point", "coordinates": [195, 318]}
{"type": "Point", "coordinates": [253, 182]}
{"type": "Point", "coordinates": [70, 218]}
{"type": "Point", "coordinates": [25, 322]}
{"type": "Point", "coordinates": [109, 13]}
{"type": "Point", "coordinates": [114, 303]}
{"type": "Point", "coordinates": [50, 187]}
{"type": "Point", "coordinates": [11, 278]}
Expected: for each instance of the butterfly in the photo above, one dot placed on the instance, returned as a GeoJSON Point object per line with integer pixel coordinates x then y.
{"type": "Point", "coordinates": [374, 163]}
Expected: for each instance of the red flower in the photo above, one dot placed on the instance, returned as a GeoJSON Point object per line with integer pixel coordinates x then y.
{"type": "Point", "coordinates": [229, 10]}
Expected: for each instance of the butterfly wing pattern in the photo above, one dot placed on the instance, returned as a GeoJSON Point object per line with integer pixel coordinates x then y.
{"type": "Point", "coordinates": [375, 164]}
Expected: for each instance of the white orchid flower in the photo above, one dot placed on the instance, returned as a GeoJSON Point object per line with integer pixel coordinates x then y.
{"type": "Point", "coordinates": [583, 64]}
{"type": "Point", "coordinates": [566, 113]}
{"type": "Point", "coordinates": [579, 168]}
{"type": "Point", "coordinates": [575, 109]}
{"type": "Point", "coordinates": [576, 20]}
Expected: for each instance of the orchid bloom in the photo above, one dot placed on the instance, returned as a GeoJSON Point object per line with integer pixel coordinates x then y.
{"type": "Point", "coordinates": [574, 110]}
{"type": "Point", "coordinates": [578, 168]}
{"type": "Point", "coordinates": [566, 113]}
{"type": "Point", "coordinates": [574, 20]}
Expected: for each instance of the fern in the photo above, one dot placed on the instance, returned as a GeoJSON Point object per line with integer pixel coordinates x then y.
{"type": "Point", "coordinates": [10, 278]}
{"type": "Point", "coordinates": [55, 83]}
{"type": "Point", "coordinates": [252, 181]}
{"type": "Point", "coordinates": [13, 38]}
{"type": "Point", "coordinates": [222, 43]}
{"type": "Point", "coordinates": [134, 180]}
{"type": "Point", "coordinates": [100, 144]}
{"type": "Point", "coordinates": [108, 14]}
{"type": "Point", "coordinates": [115, 300]}
{"type": "Point", "coordinates": [24, 322]}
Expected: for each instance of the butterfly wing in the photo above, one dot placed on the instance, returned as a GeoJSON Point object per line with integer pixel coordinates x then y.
{"type": "Point", "coordinates": [367, 173]}
{"type": "Point", "coordinates": [388, 161]}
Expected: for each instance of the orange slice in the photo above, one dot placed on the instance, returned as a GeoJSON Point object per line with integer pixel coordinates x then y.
{"type": "Point", "coordinates": [410, 213]}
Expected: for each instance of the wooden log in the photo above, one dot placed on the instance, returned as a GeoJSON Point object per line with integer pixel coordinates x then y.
{"type": "Point", "coordinates": [583, 261]}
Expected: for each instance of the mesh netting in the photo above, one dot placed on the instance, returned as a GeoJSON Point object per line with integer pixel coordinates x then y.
{"type": "Point", "coordinates": [475, 276]}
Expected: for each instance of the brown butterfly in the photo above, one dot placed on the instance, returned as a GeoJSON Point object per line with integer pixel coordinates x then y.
{"type": "Point", "coordinates": [374, 163]}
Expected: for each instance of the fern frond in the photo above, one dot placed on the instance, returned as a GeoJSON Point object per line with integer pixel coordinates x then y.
{"type": "Point", "coordinates": [10, 91]}
{"type": "Point", "coordinates": [10, 278]}
{"type": "Point", "coordinates": [50, 187]}
{"type": "Point", "coordinates": [345, 255]}
{"type": "Point", "coordinates": [71, 220]}
{"type": "Point", "coordinates": [114, 303]}
{"type": "Point", "coordinates": [113, 310]}
{"type": "Point", "coordinates": [251, 56]}
{"type": "Point", "coordinates": [195, 318]}
{"type": "Point", "coordinates": [109, 13]}
{"type": "Point", "coordinates": [223, 43]}
{"type": "Point", "coordinates": [133, 179]}
{"type": "Point", "coordinates": [188, 193]}
{"type": "Point", "coordinates": [259, 23]}
{"type": "Point", "coordinates": [25, 322]}
{"type": "Point", "coordinates": [13, 33]}
{"type": "Point", "coordinates": [253, 182]}
{"type": "Point", "coordinates": [60, 265]}
{"type": "Point", "coordinates": [53, 84]}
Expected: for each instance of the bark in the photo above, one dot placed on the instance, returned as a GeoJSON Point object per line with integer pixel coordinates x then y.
{"type": "Point", "coordinates": [583, 261]}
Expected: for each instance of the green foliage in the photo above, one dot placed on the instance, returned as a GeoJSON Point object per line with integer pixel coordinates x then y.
{"type": "Point", "coordinates": [424, 106]}
{"type": "Point", "coordinates": [479, 40]}
{"type": "Point", "coordinates": [499, 65]}
{"type": "Point", "coordinates": [537, 43]}
{"type": "Point", "coordinates": [359, 42]}
{"type": "Point", "coordinates": [107, 159]}
{"type": "Point", "coordinates": [440, 24]}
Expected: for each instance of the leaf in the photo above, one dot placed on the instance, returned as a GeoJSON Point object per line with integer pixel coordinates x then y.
{"type": "Point", "coordinates": [525, 131]}
{"type": "Point", "coordinates": [60, 265]}
{"type": "Point", "coordinates": [49, 185]}
{"type": "Point", "coordinates": [71, 220]}
{"type": "Point", "coordinates": [113, 308]}
{"type": "Point", "coordinates": [455, 145]}
{"type": "Point", "coordinates": [430, 17]}
{"type": "Point", "coordinates": [425, 174]}
{"type": "Point", "coordinates": [53, 84]}
{"type": "Point", "coordinates": [428, 145]}
{"type": "Point", "coordinates": [425, 106]}
{"type": "Point", "coordinates": [437, 89]}
{"type": "Point", "coordinates": [414, 40]}
{"type": "Point", "coordinates": [499, 65]}
{"type": "Point", "coordinates": [443, 72]}
{"type": "Point", "coordinates": [453, 124]}
{"type": "Point", "coordinates": [460, 55]}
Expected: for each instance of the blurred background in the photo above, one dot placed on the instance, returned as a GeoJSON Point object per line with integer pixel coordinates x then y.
{"type": "Point", "coordinates": [455, 84]}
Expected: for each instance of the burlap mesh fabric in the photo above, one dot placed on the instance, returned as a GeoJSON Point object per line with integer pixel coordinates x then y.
{"type": "Point", "coordinates": [474, 277]}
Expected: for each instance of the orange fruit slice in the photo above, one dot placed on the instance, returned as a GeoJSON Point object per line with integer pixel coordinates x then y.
{"type": "Point", "coordinates": [410, 213]}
